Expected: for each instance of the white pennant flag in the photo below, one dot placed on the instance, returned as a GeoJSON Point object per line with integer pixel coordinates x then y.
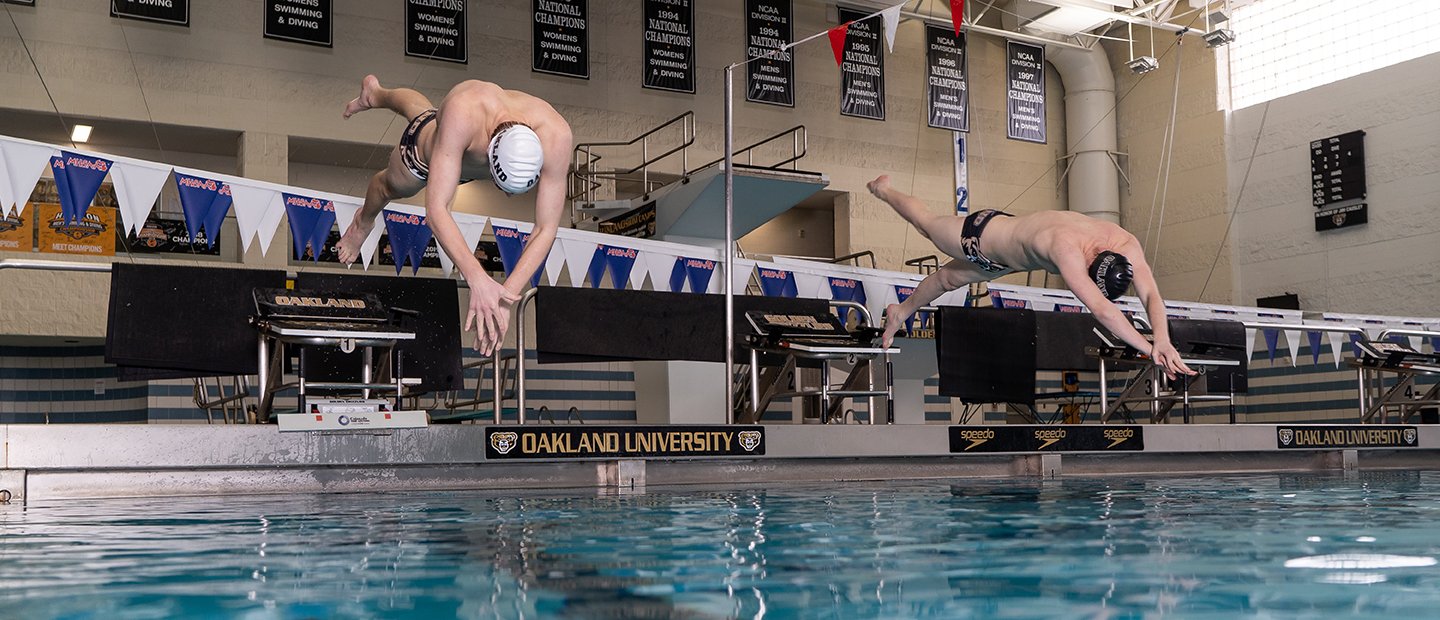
{"type": "Point", "coordinates": [345, 209]}
{"type": "Point", "coordinates": [1336, 348]}
{"type": "Point", "coordinates": [660, 265]}
{"type": "Point", "coordinates": [472, 228]}
{"type": "Point", "coordinates": [892, 21]}
{"type": "Point", "coordinates": [1292, 340]}
{"type": "Point", "coordinates": [1250, 344]}
{"type": "Point", "coordinates": [270, 221]}
{"type": "Point", "coordinates": [250, 203]}
{"type": "Point", "coordinates": [638, 271]}
{"type": "Point", "coordinates": [578, 254]}
{"type": "Point", "coordinates": [554, 265]}
{"type": "Point", "coordinates": [740, 280]}
{"type": "Point", "coordinates": [137, 185]}
{"type": "Point", "coordinates": [5, 191]}
{"type": "Point", "coordinates": [811, 286]}
{"type": "Point", "coordinates": [24, 163]}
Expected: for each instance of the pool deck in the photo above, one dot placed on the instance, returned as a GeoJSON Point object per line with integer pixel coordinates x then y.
{"type": "Point", "coordinates": [39, 463]}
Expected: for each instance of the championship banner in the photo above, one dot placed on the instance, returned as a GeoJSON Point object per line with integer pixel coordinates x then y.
{"type": "Point", "coordinates": [628, 441]}
{"type": "Point", "coordinates": [777, 282]}
{"type": "Point", "coordinates": [512, 243]}
{"type": "Point", "coordinates": [409, 236]}
{"type": "Point", "coordinates": [17, 233]}
{"type": "Point", "coordinates": [1025, 91]}
{"type": "Point", "coordinates": [436, 29]}
{"type": "Point", "coordinates": [561, 41]}
{"type": "Point", "coordinates": [175, 12]}
{"type": "Point", "coordinates": [946, 81]}
{"type": "Point", "coordinates": [310, 222]}
{"type": "Point", "coordinates": [695, 271]}
{"type": "Point", "coordinates": [91, 235]}
{"type": "Point", "coordinates": [669, 50]}
{"type": "Point", "coordinates": [205, 203]}
{"type": "Point", "coordinates": [862, 69]}
{"type": "Point", "coordinates": [638, 222]}
{"type": "Point", "coordinates": [1047, 438]}
{"type": "Point", "coordinates": [78, 178]}
{"type": "Point", "coordinates": [1320, 436]}
{"type": "Point", "coordinates": [768, 27]}
{"type": "Point", "coordinates": [300, 21]}
{"type": "Point", "coordinates": [617, 260]}
{"type": "Point", "coordinates": [164, 235]}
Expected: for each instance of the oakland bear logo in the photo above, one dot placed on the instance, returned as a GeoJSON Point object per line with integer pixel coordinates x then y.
{"type": "Point", "coordinates": [1409, 436]}
{"type": "Point", "coordinates": [749, 440]}
{"type": "Point", "coordinates": [504, 442]}
{"type": "Point", "coordinates": [1286, 436]}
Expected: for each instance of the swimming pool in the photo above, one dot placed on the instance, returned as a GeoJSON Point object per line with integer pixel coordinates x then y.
{"type": "Point", "coordinates": [1288, 545]}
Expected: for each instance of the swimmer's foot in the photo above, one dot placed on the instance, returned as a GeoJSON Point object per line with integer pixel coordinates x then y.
{"type": "Point", "coordinates": [368, 87]}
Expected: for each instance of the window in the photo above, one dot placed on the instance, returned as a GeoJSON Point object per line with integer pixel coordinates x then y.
{"type": "Point", "coordinates": [1285, 46]}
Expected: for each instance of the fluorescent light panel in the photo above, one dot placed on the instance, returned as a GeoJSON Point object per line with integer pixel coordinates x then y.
{"type": "Point", "coordinates": [81, 133]}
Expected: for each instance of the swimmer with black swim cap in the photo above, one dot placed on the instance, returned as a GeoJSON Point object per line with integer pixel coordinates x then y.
{"type": "Point", "coordinates": [479, 130]}
{"type": "Point", "coordinates": [1099, 262]}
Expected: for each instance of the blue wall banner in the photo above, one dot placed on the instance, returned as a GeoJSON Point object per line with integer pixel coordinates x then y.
{"type": "Point", "coordinates": [846, 289]}
{"type": "Point", "coordinates": [1025, 91]}
{"type": "Point", "coordinates": [409, 235]}
{"type": "Point", "coordinates": [205, 203]}
{"type": "Point", "coordinates": [436, 29]}
{"type": "Point", "coordinates": [946, 79]}
{"type": "Point", "coordinates": [669, 45]}
{"type": "Point", "coordinates": [310, 223]}
{"type": "Point", "coordinates": [301, 21]}
{"type": "Point", "coordinates": [862, 70]}
{"type": "Point", "coordinates": [767, 27]}
{"type": "Point", "coordinates": [561, 42]}
{"type": "Point", "coordinates": [175, 12]}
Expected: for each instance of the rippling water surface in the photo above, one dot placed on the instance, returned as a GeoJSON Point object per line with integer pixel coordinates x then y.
{"type": "Point", "coordinates": [1274, 546]}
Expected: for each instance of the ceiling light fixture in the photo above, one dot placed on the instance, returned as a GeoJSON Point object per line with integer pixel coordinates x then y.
{"type": "Point", "coordinates": [81, 133]}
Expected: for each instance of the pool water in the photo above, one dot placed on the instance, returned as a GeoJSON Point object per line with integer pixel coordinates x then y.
{"type": "Point", "coordinates": [1273, 546]}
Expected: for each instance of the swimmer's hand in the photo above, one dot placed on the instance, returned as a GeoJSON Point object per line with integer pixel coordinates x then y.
{"type": "Point", "coordinates": [894, 322]}
{"type": "Point", "coordinates": [1168, 359]}
{"type": "Point", "coordinates": [490, 305]}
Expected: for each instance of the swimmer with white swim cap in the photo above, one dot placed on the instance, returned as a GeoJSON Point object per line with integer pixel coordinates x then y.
{"type": "Point", "coordinates": [479, 129]}
{"type": "Point", "coordinates": [1098, 260]}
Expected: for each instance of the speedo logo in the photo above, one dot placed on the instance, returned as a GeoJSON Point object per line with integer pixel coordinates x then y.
{"type": "Point", "coordinates": [1048, 437]}
{"type": "Point", "coordinates": [1118, 436]}
{"type": "Point", "coordinates": [976, 437]}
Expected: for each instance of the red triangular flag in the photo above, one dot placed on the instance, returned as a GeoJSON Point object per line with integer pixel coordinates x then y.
{"type": "Point", "coordinates": [957, 14]}
{"type": "Point", "coordinates": [837, 41]}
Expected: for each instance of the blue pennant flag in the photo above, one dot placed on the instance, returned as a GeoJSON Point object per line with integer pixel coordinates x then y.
{"type": "Point", "coordinates": [777, 283]}
{"type": "Point", "coordinates": [902, 293]}
{"type": "Point", "coordinates": [1272, 340]}
{"type": "Point", "coordinates": [310, 223]}
{"type": "Point", "coordinates": [1314, 338]}
{"type": "Point", "coordinates": [205, 203]}
{"type": "Point", "coordinates": [696, 271]}
{"type": "Point", "coordinates": [1069, 308]}
{"type": "Point", "coordinates": [1354, 348]}
{"type": "Point", "coordinates": [846, 289]}
{"type": "Point", "coordinates": [620, 261]}
{"type": "Point", "coordinates": [83, 176]}
{"type": "Point", "coordinates": [62, 186]}
{"type": "Point", "coordinates": [409, 234]}
{"type": "Point", "coordinates": [512, 243]}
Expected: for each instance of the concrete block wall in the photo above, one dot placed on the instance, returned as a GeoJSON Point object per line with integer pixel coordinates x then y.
{"type": "Point", "coordinates": [1390, 265]}
{"type": "Point", "coordinates": [69, 383]}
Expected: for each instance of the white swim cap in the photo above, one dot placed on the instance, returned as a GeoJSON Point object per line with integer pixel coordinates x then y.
{"type": "Point", "coordinates": [515, 158]}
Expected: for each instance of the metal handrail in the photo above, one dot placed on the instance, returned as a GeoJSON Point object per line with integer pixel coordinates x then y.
{"type": "Point", "coordinates": [800, 145]}
{"type": "Point", "coordinates": [854, 257]}
{"type": "Point", "coordinates": [925, 264]}
{"type": "Point", "coordinates": [53, 265]}
{"type": "Point", "coordinates": [586, 172]}
{"type": "Point", "coordinates": [1407, 332]}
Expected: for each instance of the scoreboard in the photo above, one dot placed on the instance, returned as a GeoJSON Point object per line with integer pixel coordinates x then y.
{"type": "Point", "coordinates": [1337, 180]}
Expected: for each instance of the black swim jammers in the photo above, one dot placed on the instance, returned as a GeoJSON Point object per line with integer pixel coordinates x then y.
{"type": "Point", "coordinates": [970, 240]}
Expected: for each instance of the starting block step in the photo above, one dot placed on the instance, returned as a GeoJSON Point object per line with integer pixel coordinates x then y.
{"type": "Point", "coordinates": [351, 421]}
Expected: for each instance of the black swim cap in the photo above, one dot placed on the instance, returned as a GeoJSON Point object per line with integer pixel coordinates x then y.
{"type": "Point", "coordinates": [1112, 273]}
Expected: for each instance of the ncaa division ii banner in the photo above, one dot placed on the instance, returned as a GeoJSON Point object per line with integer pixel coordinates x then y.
{"type": "Point", "coordinates": [669, 45]}
{"type": "Point", "coordinates": [767, 27]}
{"type": "Point", "coordinates": [946, 80]}
{"type": "Point", "coordinates": [561, 41]}
{"type": "Point", "coordinates": [862, 72]}
{"type": "Point", "coordinates": [436, 29]}
{"type": "Point", "coordinates": [1025, 91]}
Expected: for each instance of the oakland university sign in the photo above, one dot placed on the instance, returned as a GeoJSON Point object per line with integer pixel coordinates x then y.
{"type": "Point", "coordinates": [521, 442]}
